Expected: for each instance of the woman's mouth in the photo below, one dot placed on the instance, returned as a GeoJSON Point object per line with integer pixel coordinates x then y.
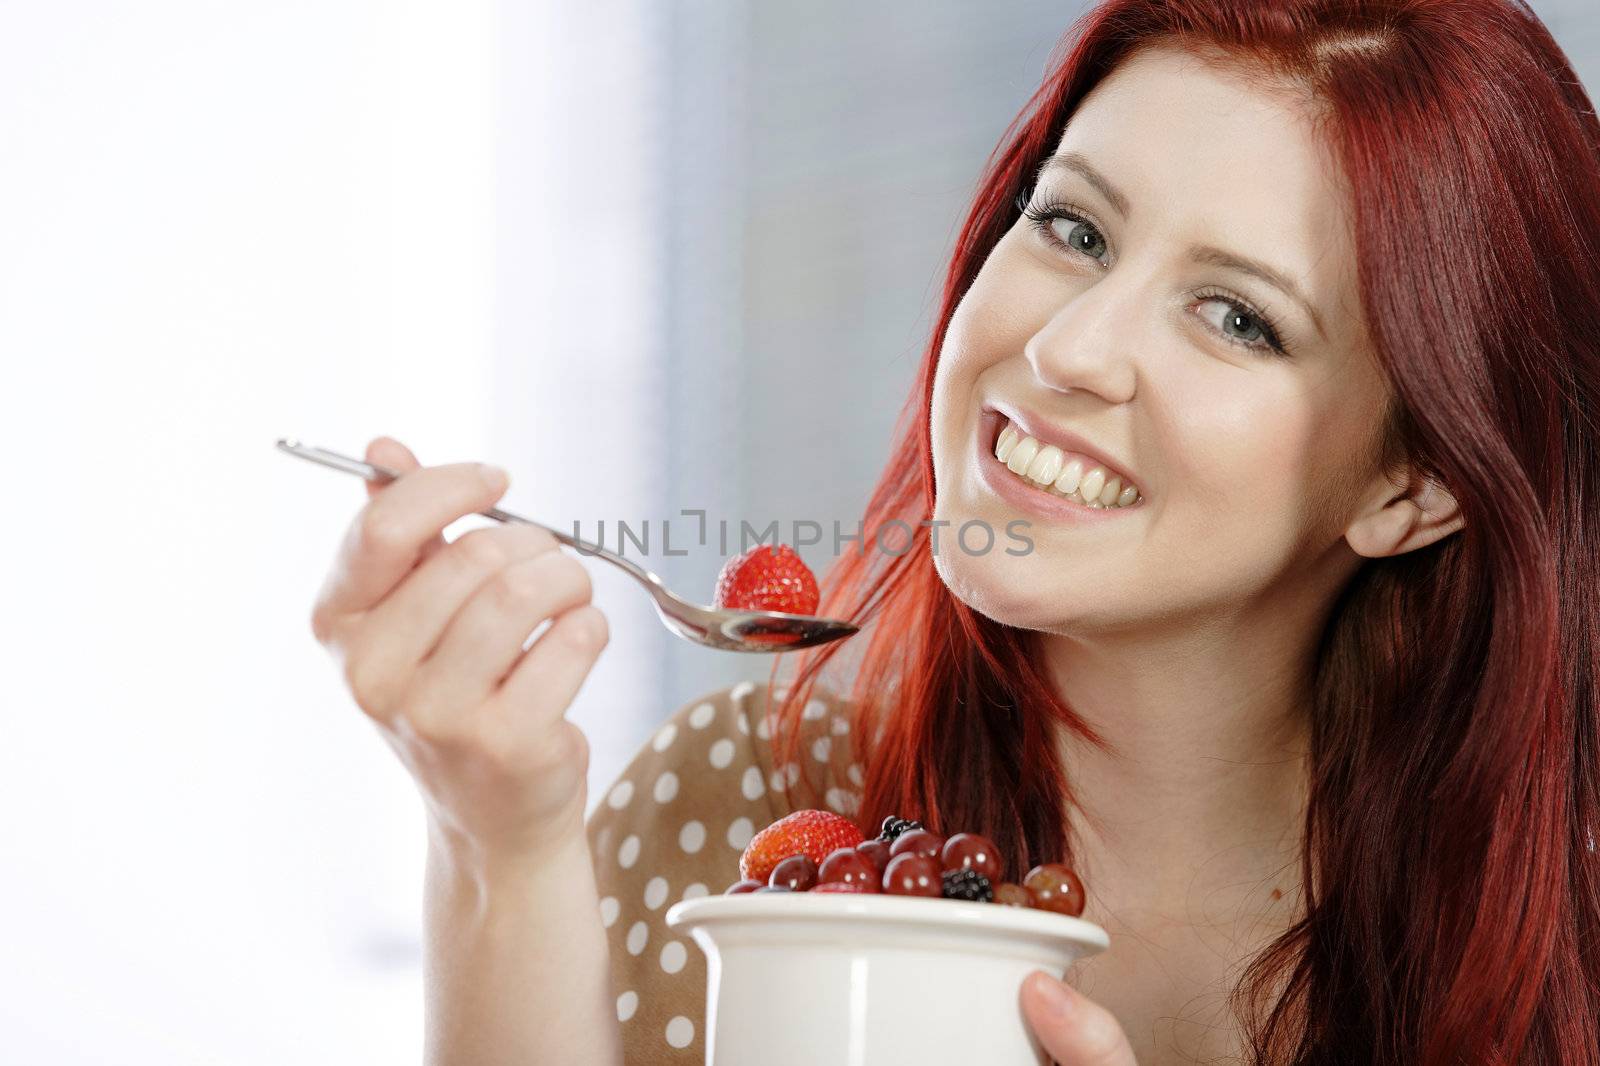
{"type": "Point", "coordinates": [1015, 460]}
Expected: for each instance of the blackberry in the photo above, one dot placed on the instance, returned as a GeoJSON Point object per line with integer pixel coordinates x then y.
{"type": "Point", "coordinates": [893, 826]}
{"type": "Point", "coordinates": [967, 884]}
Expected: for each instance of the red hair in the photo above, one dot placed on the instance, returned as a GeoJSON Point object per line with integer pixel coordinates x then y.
{"type": "Point", "coordinates": [1449, 877]}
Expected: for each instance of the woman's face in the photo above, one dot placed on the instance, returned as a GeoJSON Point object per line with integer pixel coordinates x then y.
{"type": "Point", "coordinates": [1133, 335]}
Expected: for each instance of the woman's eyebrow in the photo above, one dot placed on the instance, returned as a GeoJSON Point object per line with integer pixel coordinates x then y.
{"type": "Point", "coordinates": [1200, 253]}
{"type": "Point", "coordinates": [1076, 163]}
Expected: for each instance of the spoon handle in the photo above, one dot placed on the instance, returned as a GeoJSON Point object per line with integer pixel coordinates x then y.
{"type": "Point", "coordinates": [373, 472]}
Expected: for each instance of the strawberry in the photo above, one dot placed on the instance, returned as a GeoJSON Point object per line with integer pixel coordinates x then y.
{"type": "Point", "coordinates": [814, 834]}
{"type": "Point", "coordinates": [767, 578]}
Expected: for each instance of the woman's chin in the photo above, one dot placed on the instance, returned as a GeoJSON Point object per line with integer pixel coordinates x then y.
{"type": "Point", "coordinates": [996, 588]}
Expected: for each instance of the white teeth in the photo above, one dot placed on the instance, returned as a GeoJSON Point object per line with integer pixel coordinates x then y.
{"type": "Point", "coordinates": [1008, 440]}
{"type": "Point", "coordinates": [1047, 466]}
{"type": "Point", "coordinates": [1092, 483]}
{"type": "Point", "coordinates": [1022, 454]}
{"type": "Point", "coordinates": [1071, 474]}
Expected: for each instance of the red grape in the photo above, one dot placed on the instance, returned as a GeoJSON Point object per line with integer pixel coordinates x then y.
{"type": "Point", "coordinates": [918, 842]}
{"type": "Point", "coordinates": [747, 885]}
{"type": "Point", "coordinates": [855, 888]}
{"type": "Point", "coordinates": [971, 851]}
{"type": "Point", "coordinates": [1056, 888]}
{"type": "Point", "coordinates": [913, 875]}
{"type": "Point", "coordinates": [850, 866]}
{"type": "Point", "coordinates": [877, 851]}
{"type": "Point", "coordinates": [797, 873]}
{"type": "Point", "coordinates": [1013, 895]}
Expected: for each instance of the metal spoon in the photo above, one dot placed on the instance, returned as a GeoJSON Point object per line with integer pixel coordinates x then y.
{"type": "Point", "coordinates": [729, 630]}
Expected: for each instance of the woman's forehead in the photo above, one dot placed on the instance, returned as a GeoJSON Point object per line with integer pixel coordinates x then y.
{"type": "Point", "coordinates": [1204, 154]}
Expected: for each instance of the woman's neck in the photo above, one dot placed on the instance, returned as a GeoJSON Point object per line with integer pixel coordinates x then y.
{"type": "Point", "coordinates": [1201, 793]}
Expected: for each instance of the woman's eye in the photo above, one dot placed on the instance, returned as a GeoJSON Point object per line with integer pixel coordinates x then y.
{"type": "Point", "coordinates": [1079, 235]}
{"type": "Point", "coordinates": [1235, 323]}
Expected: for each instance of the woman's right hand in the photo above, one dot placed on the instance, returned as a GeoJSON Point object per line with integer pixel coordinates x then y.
{"type": "Point", "coordinates": [431, 638]}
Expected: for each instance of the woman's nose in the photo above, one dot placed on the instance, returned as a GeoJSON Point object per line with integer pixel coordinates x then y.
{"type": "Point", "coordinates": [1088, 342]}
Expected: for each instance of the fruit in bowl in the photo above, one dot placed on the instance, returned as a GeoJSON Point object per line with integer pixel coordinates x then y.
{"type": "Point", "coordinates": [901, 948]}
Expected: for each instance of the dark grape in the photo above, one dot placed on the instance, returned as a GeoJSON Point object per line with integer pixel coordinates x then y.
{"type": "Point", "coordinates": [918, 842]}
{"type": "Point", "coordinates": [850, 866]}
{"type": "Point", "coordinates": [913, 875]}
{"type": "Point", "coordinates": [971, 851]}
{"type": "Point", "coordinates": [797, 873]}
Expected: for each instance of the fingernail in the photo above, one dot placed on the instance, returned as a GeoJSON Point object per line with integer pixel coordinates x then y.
{"type": "Point", "coordinates": [1057, 997]}
{"type": "Point", "coordinates": [496, 475]}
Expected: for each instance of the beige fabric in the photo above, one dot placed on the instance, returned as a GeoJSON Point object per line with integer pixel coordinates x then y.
{"type": "Point", "coordinates": [673, 826]}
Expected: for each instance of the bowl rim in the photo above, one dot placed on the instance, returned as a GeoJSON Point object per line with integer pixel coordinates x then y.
{"type": "Point", "coordinates": [879, 908]}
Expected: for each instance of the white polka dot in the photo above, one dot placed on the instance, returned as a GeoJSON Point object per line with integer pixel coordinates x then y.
{"type": "Point", "coordinates": [739, 833]}
{"type": "Point", "coordinates": [764, 727]}
{"type": "Point", "coordinates": [609, 909]}
{"type": "Point", "coordinates": [621, 793]}
{"type": "Point", "coordinates": [752, 786]}
{"type": "Point", "coordinates": [673, 956]}
{"type": "Point", "coordinates": [680, 1031]}
{"type": "Point", "coordinates": [655, 893]}
{"type": "Point", "coordinates": [793, 771]}
{"type": "Point", "coordinates": [627, 1003]}
{"type": "Point", "coordinates": [815, 709]}
{"type": "Point", "coordinates": [777, 780]}
{"type": "Point", "coordinates": [638, 936]}
{"type": "Point", "coordinates": [854, 774]}
{"type": "Point", "coordinates": [695, 891]}
{"type": "Point", "coordinates": [840, 726]}
{"type": "Point", "coordinates": [692, 837]}
{"type": "Point", "coordinates": [664, 739]}
{"type": "Point", "coordinates": [701, 716]}
{"type": "Point", "coordinates": [821, 748]}
{"type": "Point", "coordinates": [628, 854]}
{"type": "Point", "coordinates": [722, 753]}
{"type": "Point", "coordinates": [843, 801]}
{"type": "Point", "coordinates": [742, 722]}
{"type": "Point", "coordinates": [742, 690]}
{"type": "Point", "coordinates": [666, 787]}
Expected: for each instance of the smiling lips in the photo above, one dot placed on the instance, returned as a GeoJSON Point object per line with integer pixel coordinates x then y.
{"type": "Point", "coordinates": [1074, 477]}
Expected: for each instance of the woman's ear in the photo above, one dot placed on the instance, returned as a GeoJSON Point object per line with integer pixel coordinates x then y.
{"type": "Point", "coordinates": [1424, 511]}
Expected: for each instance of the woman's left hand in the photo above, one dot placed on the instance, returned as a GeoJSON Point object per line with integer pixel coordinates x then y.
{"type": "Point", "coordinates": [1072, 1029]}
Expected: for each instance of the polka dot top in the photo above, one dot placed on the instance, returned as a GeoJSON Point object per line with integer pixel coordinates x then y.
{"type": "Point", "coordinates": [673, 826]}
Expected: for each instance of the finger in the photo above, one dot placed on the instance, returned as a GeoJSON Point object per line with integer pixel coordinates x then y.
{"type": "Point", "coordinates": [483, 641]}
{"type": "Point", "coordinates": [388, 452]}
{"type": "Point", "coordinates": [387, 536]}
{"type": "Point", "coordinates": [407, 625]}
{"type": "Point", "coordinates": [550, 673]}
{"type": "Point", "coordinates": [1073, 1029]}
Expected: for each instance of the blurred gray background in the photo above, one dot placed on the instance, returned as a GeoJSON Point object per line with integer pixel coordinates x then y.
{"type": "Point", "coordinates": [630, 250]}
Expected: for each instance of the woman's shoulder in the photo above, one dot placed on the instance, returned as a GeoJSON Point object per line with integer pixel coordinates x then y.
{"type": "Point", "coordinates": [673, 826]}
{"type": "Point", "coordinates": [726, 750]}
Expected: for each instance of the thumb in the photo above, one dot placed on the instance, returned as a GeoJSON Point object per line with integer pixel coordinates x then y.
{"type": "Point", "coordinates": [386, 451]}
{"type": "Point", "coordinates": [1071, 1028]}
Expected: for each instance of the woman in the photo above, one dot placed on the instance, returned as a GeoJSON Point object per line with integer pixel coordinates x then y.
{"type": "Point", "coordinates": [1301, 680]}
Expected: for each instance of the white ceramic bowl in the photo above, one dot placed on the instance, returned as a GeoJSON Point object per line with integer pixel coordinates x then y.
{"type": "Point", "coordinates": [806, 979]}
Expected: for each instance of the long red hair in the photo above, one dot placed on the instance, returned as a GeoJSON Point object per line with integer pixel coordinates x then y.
{"type": "Point", "coordinates": [1449, 875]}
